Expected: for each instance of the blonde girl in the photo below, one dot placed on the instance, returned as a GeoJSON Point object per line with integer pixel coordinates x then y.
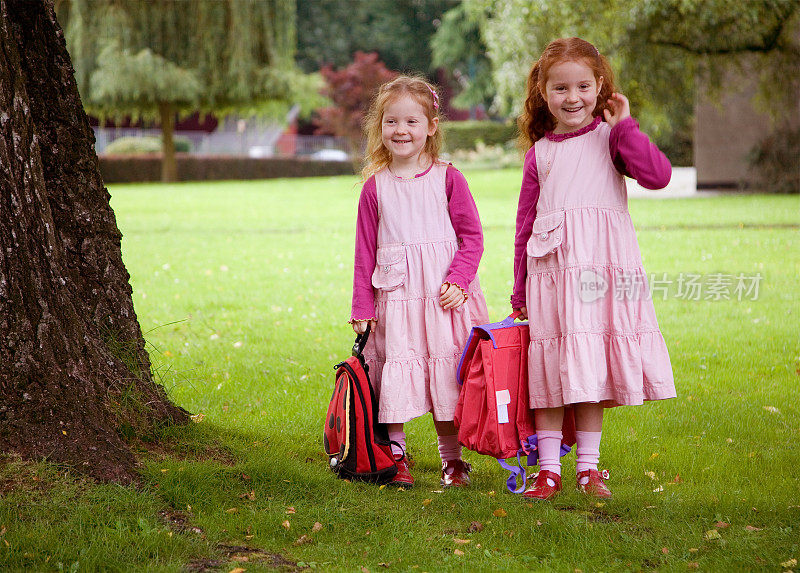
{"type": "Point", "coordinates": [418, 244]}
{"type": "Point", "coordinates": [578, 273]}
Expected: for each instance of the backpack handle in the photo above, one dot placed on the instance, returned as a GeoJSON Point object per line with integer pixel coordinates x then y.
{"type": "Point", "coordinates": [361, 341]}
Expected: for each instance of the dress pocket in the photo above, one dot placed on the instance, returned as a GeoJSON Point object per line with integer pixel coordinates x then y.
{"type": "Point", "coordinates": [390, 269]}
{"type": "Point", "coordinates": [548, 232]}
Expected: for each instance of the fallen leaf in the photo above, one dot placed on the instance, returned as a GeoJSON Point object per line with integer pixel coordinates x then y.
{"type": "Point", "coordinates": [302, 540]}
{"type": "Point", "coordinates": [499, 512]}
{"type": "Point", "coordinates": [197, 418]}
{"type": "Point", "coordinates": [386, 565]}
{"type": "Point", "coordinates": [693, 550]}
{"type": "Point", "coordinates": [462, 541]}
{"type": "Point", "coordinates": [712, 534]}
{"type": "Point", "coordinates": [232, 510]}
{"type": "Point", "coordinates": [659, 489]}
{"type": "Point", "coordinates": [475, 526]}
{"type": "Point", "coordinates": [538, 522]}
{"type": "Point", "coordinates": [789, 564]}
{"type": "Point", "coordinates": [458, 552]}
{"type": "Point", "coordinates": [240, 558]}
{"type": "Point", "coordinates": [664, 550]}
{"type": "Point", "coordinates": [317, 527]}
{"type": "Point", "coordinates": [238, 570]}
{"type": "Point", "coordinates": [751, 528]}
{"type": "Point", "coordinates": [491, 493]}
{"type": "Point", "coordinates": [654, 455]}
{"type": "Point", "coordinates": [721, 525]}
{"type": "Point", "coordinates": [364, 570]}
{"type": "Point", "coordinates": [693, 565]}
{"type": "Point", "coordinates": [286, 525]}
{"type": "Point", "coordinates": [251, 495]}
{"type": "Point", "coordinates": [290, 510]}
{"type": "Point", "coordinates": [677, 479]}
{"type": "Point", "coordinates": [600, 504]}
{"type": "Point", "coordinates": [426, 502]}
{"type": "Point", "coordinates": [772, 409]}
{"type": "Point", "coordinates": [651, 475]}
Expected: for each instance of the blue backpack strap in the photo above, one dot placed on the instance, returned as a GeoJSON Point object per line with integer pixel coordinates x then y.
{"type": "Point", "coordinates": [529, 448]}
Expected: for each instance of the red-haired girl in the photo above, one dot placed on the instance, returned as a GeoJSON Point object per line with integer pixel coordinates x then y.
{"type": "Point", "coordinates": [578, 273]}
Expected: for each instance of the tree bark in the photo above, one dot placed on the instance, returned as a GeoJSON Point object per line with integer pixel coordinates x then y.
{"type": "Point", "coordinates": [169, 165]}
{"type": "Point", "coordinates": [74, 373]}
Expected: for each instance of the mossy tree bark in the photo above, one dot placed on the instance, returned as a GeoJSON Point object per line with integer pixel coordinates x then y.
{"type": "Point", "coordinates": [75, 378]}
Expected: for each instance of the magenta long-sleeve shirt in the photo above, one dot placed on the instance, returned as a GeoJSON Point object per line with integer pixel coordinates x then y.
{"type": "Point", "coordinates": [633, 155]}
{"type": "Point", "coordinates": [466, 224]}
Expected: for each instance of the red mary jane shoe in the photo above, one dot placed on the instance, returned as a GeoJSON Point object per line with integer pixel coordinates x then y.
{"type": "Point", "coordinates": [542, 490]}
{"type": "Point", "coordinates": [403, 477]}
{"type": "Point", "coordinates": [455, 473]}
{"type": "Point", "coordinates": [596, 486]}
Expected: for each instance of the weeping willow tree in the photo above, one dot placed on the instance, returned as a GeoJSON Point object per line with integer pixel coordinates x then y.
{"type": "Point", "coordinates": [156, 59]}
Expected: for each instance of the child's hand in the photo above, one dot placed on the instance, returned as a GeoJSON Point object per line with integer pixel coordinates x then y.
{"type": "Point", "coordinates": [523, 312]}
{"type": "Point", "coordinates": [360, 326]}
{"type": "Point", "coordinates": [618, 109]}
{"type": "Point", "coordinates": [451, 296]}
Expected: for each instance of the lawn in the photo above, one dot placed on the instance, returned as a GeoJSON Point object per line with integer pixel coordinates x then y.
{"type": "Point", "coordinates": [243, 292]}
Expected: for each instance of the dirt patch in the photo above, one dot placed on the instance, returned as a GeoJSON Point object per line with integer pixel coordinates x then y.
{"type": "Point", "coordinates": [175, 449]}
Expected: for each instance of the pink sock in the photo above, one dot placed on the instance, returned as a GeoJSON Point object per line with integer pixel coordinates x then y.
{"type": "Point", "coordinates": [449, 448]}
{"type": "Point", "coordinates": [588, 450]}
{"type": "Point", "coordinates": [549, 446]}
{"type": "Point", "coordinates": [400, 438]}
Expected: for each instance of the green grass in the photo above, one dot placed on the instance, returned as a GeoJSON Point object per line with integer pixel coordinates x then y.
{"type": "Point", "coordinates": [243, 292]}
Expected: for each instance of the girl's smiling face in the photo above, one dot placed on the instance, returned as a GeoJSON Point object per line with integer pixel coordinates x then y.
{"type": "Point", "coordinates": [571, 94]}
{"type": "Point", "coordinates": [405, 129]}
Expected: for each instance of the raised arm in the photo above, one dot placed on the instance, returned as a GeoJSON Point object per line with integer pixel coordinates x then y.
{"type": "Point", "coordinates": [636, 156]}
{"type": "Point", "coordinates": [526, 213]}
{"type": "Point", "coordinates": [363, 306]}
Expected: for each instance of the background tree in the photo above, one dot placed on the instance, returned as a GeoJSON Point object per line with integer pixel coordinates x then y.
{"type": "Point", "coordinates": [74, 374]}
{"type": "Point", "coordinates": [155, 58]}
{"type": "Point", "coordinates": [458, 47]}
{"type": "Point", "coordinates": [331, 31]}
{"type": "Point", "coordinates": [657, 48]}
{"type": "Point", "coordinates": [351, 90]}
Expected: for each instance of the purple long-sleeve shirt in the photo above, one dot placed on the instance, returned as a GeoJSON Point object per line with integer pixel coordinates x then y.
{"type": "Point", "coordinates": [633, 155]}
{"type": "Point", "coordinates": [466, 224]}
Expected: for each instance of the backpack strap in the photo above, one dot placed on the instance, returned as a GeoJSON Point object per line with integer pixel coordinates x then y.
{"type": "Point", "coordinates": [529, 448]}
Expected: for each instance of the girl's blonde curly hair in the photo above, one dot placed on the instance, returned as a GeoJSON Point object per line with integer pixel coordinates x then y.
{"type": "Point", "coordinates": [377, 156]}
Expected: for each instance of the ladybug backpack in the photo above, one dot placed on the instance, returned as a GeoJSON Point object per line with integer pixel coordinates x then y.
{"type": "Point", "coordinates": [357, 445]}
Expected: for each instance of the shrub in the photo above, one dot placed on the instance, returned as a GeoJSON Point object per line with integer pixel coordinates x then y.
{"type": "Point", "coordinates": [773, 162]}
{"type": "Point", "coordinates": [466, 134]}
{"type": "Point", "coordinates": [132, 145]}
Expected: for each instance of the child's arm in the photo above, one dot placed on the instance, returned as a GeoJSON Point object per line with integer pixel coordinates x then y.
{"type": "Point", "coordinates": [632, 151]}
{"type": "Point", "coordinates": [526, 213]}
{"type": "Point", "coordinates": [363, 305]}
{"type": "Point", "coordinates": [467, 225]}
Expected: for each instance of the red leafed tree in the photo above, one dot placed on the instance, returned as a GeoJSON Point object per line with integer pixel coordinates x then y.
{"type": "Point", "coordinates": [351, 89]}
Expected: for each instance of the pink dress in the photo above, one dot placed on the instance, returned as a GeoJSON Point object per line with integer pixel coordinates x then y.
{"type": "Point", "coordinates": [594, 334]}
{"type": "Point", "coordinates": [413, 352]}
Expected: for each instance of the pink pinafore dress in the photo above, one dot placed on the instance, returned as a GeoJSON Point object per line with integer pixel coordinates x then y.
{"type": "Point", "coordinates": [414, 350]}
{"type": "Point", "coordinates": [594, 334]}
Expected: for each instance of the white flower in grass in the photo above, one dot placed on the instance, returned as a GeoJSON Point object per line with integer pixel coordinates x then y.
{"type": "Point", "coordinates": [237, 344]}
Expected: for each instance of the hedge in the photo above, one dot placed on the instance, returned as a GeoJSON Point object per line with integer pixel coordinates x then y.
{"type": "Point", "coordinates": [197, 167]}
{"type": "Point", "coordinates": [132, 145]}
{"type": "Point", "coordinates": [465, 134]}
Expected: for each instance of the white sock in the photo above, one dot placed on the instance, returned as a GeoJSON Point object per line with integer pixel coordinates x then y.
{"type": "Point", "coordinates": [549, 446]}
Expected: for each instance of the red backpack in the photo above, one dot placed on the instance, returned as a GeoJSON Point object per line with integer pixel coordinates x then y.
{"type": "Point", "coordinates": [357, 445]}
{"type": "Point", "coordinates": [493, 416]}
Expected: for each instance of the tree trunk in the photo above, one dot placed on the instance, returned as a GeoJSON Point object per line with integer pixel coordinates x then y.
{"type": "Point", "coordinates": [74, 373]}
{"type": "Point", "coordinates": [169, 166]}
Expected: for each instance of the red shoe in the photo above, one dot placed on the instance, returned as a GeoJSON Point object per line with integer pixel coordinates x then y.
{"type": "Point", "coordinates": [596, 486]}
{"type": "Point", "coordinates": [541, 489]}
{"type": "Point", "coordinates": [403, 477]}
{"type": "Point", "coordinates": [455, 473]}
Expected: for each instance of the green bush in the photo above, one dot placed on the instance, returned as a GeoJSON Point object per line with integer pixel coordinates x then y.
{"type": "Point", "coordinates": [131, 145]}
{"type": "Point", "coordinates": [467, 134]}
{"type": "Point", "coordinates": [773, 162]}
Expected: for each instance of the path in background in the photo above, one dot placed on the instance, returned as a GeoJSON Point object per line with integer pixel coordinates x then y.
{"type": "Point", "coordinates": [683, 184]}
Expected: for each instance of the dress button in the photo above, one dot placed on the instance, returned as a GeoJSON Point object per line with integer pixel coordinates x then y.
{"type": "Point", "coordinates": [386, 268]}
{"type": "Point", "coordinates": [553, 251]}
{"type": "Point", "coordinates": [543, 236]}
